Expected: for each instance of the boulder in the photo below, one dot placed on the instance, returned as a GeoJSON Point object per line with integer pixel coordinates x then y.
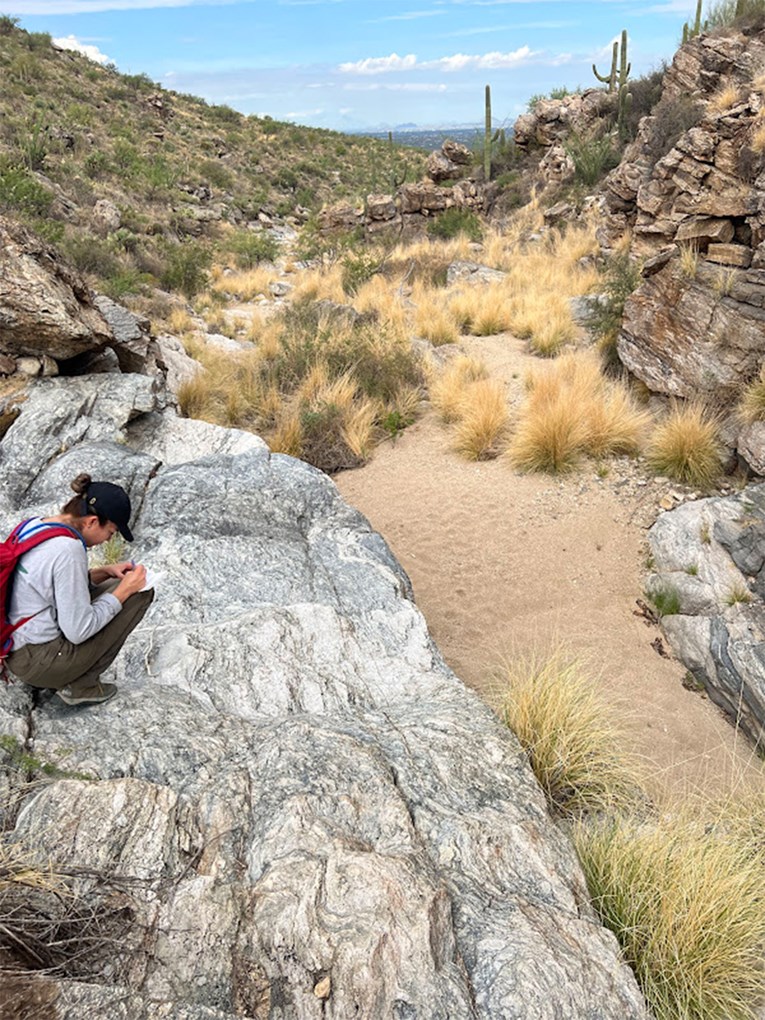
{"type": "Point", "coordinates": [473, 273]}
{"type": "Point", "coordinates": [106, 215]}
{"type": "Point", "coordinates": [292, 806]}
{"type": "Point", "coordinates": [440, 168]}
{"type": "Point", "coordinates": [705, 230]}
{"type": "Point", "coordinates": [340, 216]}
{"type": "Point", "coordinates": [45, 309]}
{"type": "Point", "coordinates": [381, 207]}
{"type": "Point", "coordinates": [730, 255]}
{"type": "Point", "coordinates": [133, 343]}
{"type": "Point", "coordinates": [719, 633]}
{"type": "Point", "coordinates": [422, 197]}
{"type": "Point", "coordinates": [174, 363]}
{"type": "Point", "coordinates": [457, 153]}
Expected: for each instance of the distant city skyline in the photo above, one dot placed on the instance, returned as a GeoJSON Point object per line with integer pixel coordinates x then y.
{"type": "Point", "coordinates": [360, 65]}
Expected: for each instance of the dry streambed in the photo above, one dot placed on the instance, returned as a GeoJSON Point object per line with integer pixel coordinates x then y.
{"type": "Point", "coordinates": [508, 564]}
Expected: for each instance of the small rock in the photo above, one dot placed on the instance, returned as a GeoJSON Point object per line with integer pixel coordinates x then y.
{"type": "Point", "coordinates": [322, 989]}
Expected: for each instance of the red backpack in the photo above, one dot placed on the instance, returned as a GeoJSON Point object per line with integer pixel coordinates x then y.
{"type": "Point", "coordinates": [11, 551]}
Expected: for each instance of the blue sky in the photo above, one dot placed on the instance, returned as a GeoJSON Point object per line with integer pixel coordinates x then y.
{"type": "Point", "coordinates": [352, 64]}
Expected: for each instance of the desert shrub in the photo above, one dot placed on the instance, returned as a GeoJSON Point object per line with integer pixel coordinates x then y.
{"type": "Point", "coordinates": [217, 174]}
{"type": "Point", "coordinates": [89, 254]}
{"type": "Point", "coordinates": [21, 191]}
{"type": "Point", "coordinates": [7, 24]}
{"type": "Point", "coordinates": [684, 899]}
{"type": "Point", "coordinates": [646, 93]}
{"type": "Point", "coordinates": [621, 278]}
{"type": "Point", "coordinates": [186, 268]}
{"type": "Point", "coordinates": [592, 155]}
{"type": "Point", "coordinates": [455, 221]}
{"type": "Point", "coordinates": [686, 446]}
{"type": "Point", "coordinates": [672, 117]}
{"type": "Point", "coordinates": [724, 13]}
{"type": "Point", "coordinates": [357, 268]}
{"type": "Point", "coordinates": [223, 114]}
{"type": "Point", "coordinates": [250, 248]}
{"type": "Point", "coordinates": [564, 724]}
{"type": "Point", "coordinates": [124, 281]}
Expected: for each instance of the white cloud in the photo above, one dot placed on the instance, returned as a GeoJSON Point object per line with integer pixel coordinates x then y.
{"type": "Point", "coordinates": [71, 42]}
{"type": "Point", "coordinates": [410, 16]}
{"type": "Point", "coordinates": [401, 86]}
{"type": "Point", "coordinates": [456, 62]}
{"type": "Point", "coordinates": [380, 65]}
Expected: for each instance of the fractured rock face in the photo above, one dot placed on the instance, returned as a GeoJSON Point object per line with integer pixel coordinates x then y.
{"type": "Point", "coordinates": [306, 809]}
{"type": "Point", "coordinates": [719, 632]}
{"type": "Point", "coordinates": [44, 308]}
{"type": "Point", "coordinates": [684, 337]}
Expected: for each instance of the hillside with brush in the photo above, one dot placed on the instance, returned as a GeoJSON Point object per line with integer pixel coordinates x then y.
{"type": "Point", "coordinates": [116, 171]}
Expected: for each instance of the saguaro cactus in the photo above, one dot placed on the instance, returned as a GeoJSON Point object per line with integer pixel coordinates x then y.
{"type": "Point", "coordinates": [619, 77]}
{"type": "Point", "coordinates": [689, 31]}
{"type": "Point", "coordinates": [487, 137]}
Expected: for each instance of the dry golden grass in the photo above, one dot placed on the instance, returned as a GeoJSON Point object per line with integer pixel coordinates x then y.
{"type": "Point", "coordinates": [416, 251]}
{"type": "Point", "coordinates": [752, 405]}
{"type": "Point", "coordinates": [320, 285]}
{"type": "Point", "coordinates": [432, 319]}
{"type": "Point", "coordinates": [570, 411]}
{"type": "Point", "coordinates": [686, 446]}
{"type": "Point", "coordinates": [179, 321]}
{"type": "Point", "coordinates": [359, 429]}
{"type": "Point", "coordinates": [544, 319]}
{"type": "Point", "coordinates": [483, 420]}
{"type": "Point", "coordinates": [724, 99]}
{"type": "Point", "coordinates": [689, 261]}
{"type": "Point", "coordinates": [757, 143]}
{"type": "Point", "coordinates": [564, 724]}
{"type": "Point", "coordinates": [383, 297]}
{"type": "Point", "coordinates": [447, 389]}
{"type": "Point", "coordinates": [287, 436]}
{"type": "Point", "coordinates": [684, 899]}
{"type": "Point", "coordinates": [482, 311]}
{"type": "Point", "coordinates": [246, 285]}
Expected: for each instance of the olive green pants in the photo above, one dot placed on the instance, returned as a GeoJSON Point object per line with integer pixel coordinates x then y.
{"type": "Point", "coordinates": [59, 663]}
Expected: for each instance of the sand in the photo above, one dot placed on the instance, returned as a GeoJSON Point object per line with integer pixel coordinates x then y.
{"type": "Point", "coordinates": [507, 565]}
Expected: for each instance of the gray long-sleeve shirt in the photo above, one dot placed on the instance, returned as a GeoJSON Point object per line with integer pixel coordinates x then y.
{"type": "Point", "coordinates": [51, 585]}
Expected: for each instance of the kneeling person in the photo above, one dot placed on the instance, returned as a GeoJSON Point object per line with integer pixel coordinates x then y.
{"type": "Point", "coordinates": [71, 622]}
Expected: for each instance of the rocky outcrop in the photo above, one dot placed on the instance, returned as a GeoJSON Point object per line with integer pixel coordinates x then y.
{"type": "Point", "coordinates": [296, 808]}
{"type": "Point", "coordinates": [549, 121]}
{"type": "Point", "coordinates": [711, 555]}
{"type": "Point", "coordinates": [45, 310]}
{"type": "Point", "coordinates": [692, 190]}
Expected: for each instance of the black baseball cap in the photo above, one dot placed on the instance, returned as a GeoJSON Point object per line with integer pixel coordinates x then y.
{"type": "Point", "coordinates": [112, 502]}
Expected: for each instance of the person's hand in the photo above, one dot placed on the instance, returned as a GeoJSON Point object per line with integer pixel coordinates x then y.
{"type": "Point", "coordinates": [119, 570]}
{"type": "Point", "coordinates": [132, 581]}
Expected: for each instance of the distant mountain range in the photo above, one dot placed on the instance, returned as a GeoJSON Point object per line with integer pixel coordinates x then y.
{"type": "Point", "coordinates": [428, 138]}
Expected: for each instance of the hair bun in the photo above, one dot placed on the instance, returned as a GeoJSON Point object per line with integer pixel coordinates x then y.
{"type": "Point", "coordinates": [80, 484]}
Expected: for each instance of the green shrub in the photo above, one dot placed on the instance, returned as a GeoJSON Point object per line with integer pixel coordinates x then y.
{"type": "Point", "coordinates": [592, 155]}
{"type": "Point", "coordinates": [250, 248]}
{"type": "Point", "coordinates": [621, 278]}
{"type": "Point", "coordinates": [89, 254]}
{"type": "Point", "coordinates": [453, 222]}
{"type": "Point", "coordinates": [125, 281]}
{"type": "Point", "coordinates": [724, 13]}
{"type": "Point", "coordinates": [323, 441]}
{"type": "Point", "coordinates": [7, 24]}
{"type": "Point", "coordinates": [20, 190]}
{"type": "Point", "coordinates": [673, 116]}
{"type": "Point", "coordinates": [665, 599]}
{"type": "Point", "coordinates": [186, 268]}
{"type": "Point", "coordinates": [96, 164]}
{"type": "Point", "coordinates": [358, 267]}
{"type": "Point", "coordinates": [217, 174]}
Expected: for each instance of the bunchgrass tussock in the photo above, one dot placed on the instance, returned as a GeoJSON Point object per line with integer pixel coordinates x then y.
{"type": "Point", "coordinates": [752, 405]}
{"type": "Point", "coordinates": [684, 899]}
{"type": "Point", "coordinates": [665, 599]}
{"type": "Point", "coordinates": [572, 410]}
{"type": "Point", "coordinates": [685, 446]}
{"type": "Point", "coordinates": [447, 389]}
{"type": "Point", "coordinates": [483, 420]}
{"type": "Point", "coordinates": [576, 750]}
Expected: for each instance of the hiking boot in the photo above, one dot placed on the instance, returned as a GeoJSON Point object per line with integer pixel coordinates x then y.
{"type": "Point", "coordinates": [92, 697]}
